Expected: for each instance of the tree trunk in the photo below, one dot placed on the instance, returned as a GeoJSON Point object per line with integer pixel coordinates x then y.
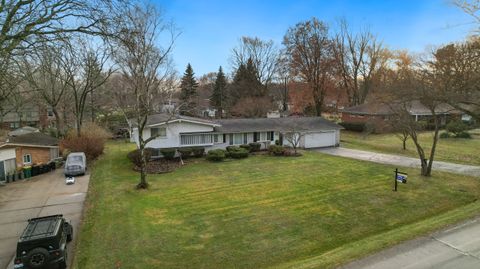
{"type": "Point", "coordinates": [57, 120]}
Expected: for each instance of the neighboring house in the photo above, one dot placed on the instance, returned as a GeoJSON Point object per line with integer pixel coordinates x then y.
{"type": "Point", "coordinates": [32, 148]}
{"type": "Point", "coordinates": [181, 131]}
{"type": "Point", "coordinates": [377, 113]}
{"type": "Point", "coordinates": [29, 115]}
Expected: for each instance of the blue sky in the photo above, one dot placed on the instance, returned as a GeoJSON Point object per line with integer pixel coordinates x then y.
{"type": "Point", "coordinates": [211, 28]}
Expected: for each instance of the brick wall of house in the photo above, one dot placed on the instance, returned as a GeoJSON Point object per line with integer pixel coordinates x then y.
{"type": "Point", "coordinates": [39, 155]}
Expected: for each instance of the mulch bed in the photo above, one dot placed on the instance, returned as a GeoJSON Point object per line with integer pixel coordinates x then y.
{"type": "Point", "coordinates": [161, 166]}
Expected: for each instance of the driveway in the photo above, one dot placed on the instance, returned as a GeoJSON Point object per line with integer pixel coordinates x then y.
{"type": "Point", "coordinates": [42, 195]}
{"type": "Point", "coordinates": [458, 247]}
{"type": "Point", "coordinates": [469, 170]}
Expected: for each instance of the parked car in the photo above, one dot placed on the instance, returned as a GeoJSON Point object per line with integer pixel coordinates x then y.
{"type": "Point", "coordinates": [43, 243]}
{"type": "Point", "coordinates": [76, 164]}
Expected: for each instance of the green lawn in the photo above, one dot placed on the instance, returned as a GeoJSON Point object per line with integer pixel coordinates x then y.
{"type": "Point", "coordinates": [315, 211]}
{"type": "Point", "coordinates": [455, 150]}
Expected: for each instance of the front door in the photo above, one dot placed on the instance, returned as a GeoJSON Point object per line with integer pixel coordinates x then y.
{"type": "Point", "coordinates": [2, 171]}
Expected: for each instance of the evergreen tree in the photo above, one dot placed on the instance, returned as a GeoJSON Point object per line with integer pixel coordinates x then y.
{"type": "Point", "coordinates": [188, 92]}
{"type": "Point", "coordinates": [219, 95]}
{"type": "Point", "coordinates": [245, 83]}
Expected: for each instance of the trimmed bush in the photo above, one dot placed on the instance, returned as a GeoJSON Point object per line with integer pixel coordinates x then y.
{"type": "Point", "coordinates": [135, 158]}
{"type": "Point", "coordinates": [353, 126]}
{"type": "Point", "coordinates": [216, 155]}
{"type": "Point", "coordinates": [463, 135]}
{"type": "Point", "coordinates": [254, 146]}
{"type": "Point", "coordinates": [168, 153]}
{"type": "Point", "coordinates": [276, 150]}
{"type": "Point", "coordinates": [247, 147]}
{"type": "Point", "coordinates": [240, 153]}
{"type": "Point", "coordinates": [185, 152]}
{"type": "Point", "coordinates": [456, 127]}
{"type": "Point", "coordinates": [232, 148]}
{"type": "Point", "coordinates": [198, 152]}
{"type": "Point", "coordinates": [444, 135]}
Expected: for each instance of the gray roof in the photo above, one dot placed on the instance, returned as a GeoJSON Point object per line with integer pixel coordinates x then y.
{"type": "Point", "coordinates": [276, 124]}
{"type": "Point", "coordinates": [23, 130]}
{"type": "Point", "coordinates": [34, 139]}
{"type": "Point", "coordinates": [415, 108]}
{"type": "Point", "coordinates": [164, 117]}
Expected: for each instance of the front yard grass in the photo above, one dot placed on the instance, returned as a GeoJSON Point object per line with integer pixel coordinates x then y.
{"type": "Point", "coordinates": [454, 150]}
{"type": "Point", "coordinates": [315, 211]}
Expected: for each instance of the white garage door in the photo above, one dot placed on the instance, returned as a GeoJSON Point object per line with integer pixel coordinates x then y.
{"type": "Point", "coordinates": [318, 140]}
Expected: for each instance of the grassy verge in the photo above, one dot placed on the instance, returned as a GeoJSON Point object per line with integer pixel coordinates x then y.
{"type": "Point", "coordinates": [455, 150]}
{"type": "Point", "coordinates": [315, 211]}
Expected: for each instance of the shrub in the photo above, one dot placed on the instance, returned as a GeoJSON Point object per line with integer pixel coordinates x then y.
{"type": "Point", "coordinates": [463, 135]}
{"type": "Point", "coordinates": [198, 152]}
{"type": "Point", "coordinates": [353, 126]}
{"type": "Point", "coordinates": [277, 142]}
{"type": "Point", "coordinates": [276, 150]}
{"type": "Point", "coordinates": [185, 152]}
{"type": "Point", "coordinates": [456, 127]}
{"type": "Point", "coordinates": [240, 153]}
{"type": "Point", "coordinates": [246, 147]}
{"type": "Point", "coordinates": [444, 135]}
{"type": "Point", "coordinates": [135, 158]}
{"type": "Point", "coordinates": [91, 141]}
{"type": "Point", "coordinates": [232, 148]}
{"type": "Point", "coordinates": [216, 155]}
{"type": "Point", "coordinates": [168, 153]}
{"type": "Point", "coordinates": [254, 147]}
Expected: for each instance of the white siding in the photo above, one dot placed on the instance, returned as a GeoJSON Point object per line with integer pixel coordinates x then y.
{"type": "Point", "coordinates": [173, 134]}
{"type": "Point", "coordinates": [320, 139]}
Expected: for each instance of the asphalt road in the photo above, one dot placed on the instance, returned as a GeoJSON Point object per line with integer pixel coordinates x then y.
{"type": "Point", "coordinates": [454, 248]}
{"type": "Point", "coordinates": [42, 195]}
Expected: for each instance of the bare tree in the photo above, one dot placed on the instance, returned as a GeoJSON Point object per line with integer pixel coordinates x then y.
{"type": "Point", "coordinates": [43, 70]}
{"type": "Point", "coordinates": [283, 77]}
{"type": "Point", "coordinates": [359, 57]}
{"type": "Point", "coordinates": [145, 66]}
{"type": "Point", "coordinates": [409, 86]}
{"type": "Point", "coordinates": [264, 55]}
{"type": "Point", "coordinates": [472, 8]}
{"type": "Point", "coordinates": [293, 137]}
{"type": "Point", "coordinates": [85, 68]}
{"type": "Point", "coordinates": [310, 54]}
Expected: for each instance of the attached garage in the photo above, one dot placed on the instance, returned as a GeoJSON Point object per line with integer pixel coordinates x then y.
{"type": "Point", "coordinates": [7, 162]}
{"type": "Point", "coordinates": [320, 139]}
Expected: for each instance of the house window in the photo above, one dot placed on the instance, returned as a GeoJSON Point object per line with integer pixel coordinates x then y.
{"type": "Point", "coordinates": [237, 139]}
{"type": "Point", "coordinates": [215, 138]}
{"type": "Point", "coordinates": [263, 136]}
{"type": "Point", "coordinates": [158, 132]}
{"type": "Point", "coordinates": [27, 159]}
{"type": "Point", "coordinates": [270, 136]}
{"type": "Point", "coordinates": [245, 138]}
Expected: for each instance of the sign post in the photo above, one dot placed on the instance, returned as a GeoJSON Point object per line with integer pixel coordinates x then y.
{"type": "Point", "coordinates": [399, 177]}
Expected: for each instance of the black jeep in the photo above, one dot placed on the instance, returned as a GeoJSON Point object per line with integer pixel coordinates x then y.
{"type": "Point", "coordinates": [43, 244]}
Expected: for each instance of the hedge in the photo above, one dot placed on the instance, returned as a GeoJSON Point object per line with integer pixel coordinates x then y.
{"type": "Point", "coordinates": [276, 150]}
{"type": "Point", "coordinates": [254, 146]}
{"type": "Point", "coordinates": [353, 126]}
{"type": "Point", "coordinates": [216, 155]}
{"type": "Point", "coordinates": [185, 152]}
{"type": "Point", "coordinates": [168, 153]}
{"type": "Point", "coordinates": [198, 152]}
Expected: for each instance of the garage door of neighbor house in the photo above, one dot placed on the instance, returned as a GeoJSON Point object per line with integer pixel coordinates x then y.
{"type": "Point", "coordinates": [319, 140]}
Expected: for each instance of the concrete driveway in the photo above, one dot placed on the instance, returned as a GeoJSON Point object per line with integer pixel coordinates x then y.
{"type": "Point", "coordinates": [458, 247]}
{"type": "Point", "coordinates": [469, 170]}
{"type": "Point", "coordinates": [42, 195]}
